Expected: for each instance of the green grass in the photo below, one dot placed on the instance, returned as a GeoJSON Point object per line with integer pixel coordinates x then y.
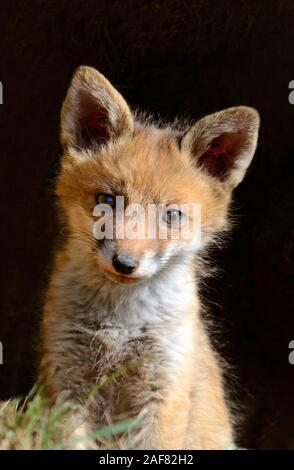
{"type": "Point", "coordinates": [32, 424]}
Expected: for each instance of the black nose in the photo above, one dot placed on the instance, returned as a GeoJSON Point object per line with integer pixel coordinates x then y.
{"type": "Point", "coordinates": [125, 263]}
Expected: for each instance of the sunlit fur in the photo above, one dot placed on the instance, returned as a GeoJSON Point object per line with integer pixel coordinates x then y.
{"type": "Point", "coordinates": [146, 326]}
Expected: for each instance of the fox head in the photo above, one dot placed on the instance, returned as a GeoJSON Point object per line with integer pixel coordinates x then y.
{"type": "Point", "coordinates": [110, 154]}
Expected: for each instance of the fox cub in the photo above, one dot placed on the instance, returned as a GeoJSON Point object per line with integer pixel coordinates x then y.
{"type": "Point", "coordinates": [122, 330]}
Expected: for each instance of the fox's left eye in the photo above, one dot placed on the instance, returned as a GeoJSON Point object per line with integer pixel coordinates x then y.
{"type": "Point", "coordinates": [172, 217]}
{"type": "Point", "coordinates": [103, 198]}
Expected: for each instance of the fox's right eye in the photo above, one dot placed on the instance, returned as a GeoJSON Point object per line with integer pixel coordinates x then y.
{"type": "Point", "coordinates": [103, 198]}
{"type": "Point", "coordinates": [172, 217]}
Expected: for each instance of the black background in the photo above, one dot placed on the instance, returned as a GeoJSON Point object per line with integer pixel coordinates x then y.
{"type": "Point", "coordinates": [168, 57]}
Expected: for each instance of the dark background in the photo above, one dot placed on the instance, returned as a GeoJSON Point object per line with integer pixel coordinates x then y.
{"type": "Point", "coordinates": [168, 57]}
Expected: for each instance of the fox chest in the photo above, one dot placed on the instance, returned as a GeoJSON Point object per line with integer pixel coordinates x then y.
{"type": "Point", "coordinates": [125, 350]}
{"type": "Point", "coordinates": [120, 370]}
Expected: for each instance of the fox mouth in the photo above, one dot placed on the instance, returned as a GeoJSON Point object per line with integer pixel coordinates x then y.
{"type": "Point", "coordinates": [122, 278]}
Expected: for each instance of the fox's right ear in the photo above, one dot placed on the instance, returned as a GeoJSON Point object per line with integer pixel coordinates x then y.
{"type": "Point", "coordinates": [93, 112]}
{"type": "Point", "coordinates": [223, 144]}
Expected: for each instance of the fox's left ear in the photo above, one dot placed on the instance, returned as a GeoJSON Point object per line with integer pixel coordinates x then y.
{"type": "Point", "coordinates": [94, 112]}
{"type": "Point", "coordinates": [223, 144]}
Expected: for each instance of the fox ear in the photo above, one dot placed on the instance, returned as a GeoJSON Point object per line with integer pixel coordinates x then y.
{"type": "Point", "coordinates": [223, 144]}
{"type": "Point", "coordinates": [93, 112]}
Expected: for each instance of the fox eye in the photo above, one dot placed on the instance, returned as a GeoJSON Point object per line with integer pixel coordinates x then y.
{"type": "Point", "coordinates": [103, 198]}
{"type": "Point", "coordinates": [172, 217]}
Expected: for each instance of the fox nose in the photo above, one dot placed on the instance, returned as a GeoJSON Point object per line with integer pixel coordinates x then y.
{"type": "Point", "coordinates": [125, 263]}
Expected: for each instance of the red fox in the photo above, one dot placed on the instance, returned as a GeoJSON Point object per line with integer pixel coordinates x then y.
{"type": "Point", "coordinates": [128, 308]}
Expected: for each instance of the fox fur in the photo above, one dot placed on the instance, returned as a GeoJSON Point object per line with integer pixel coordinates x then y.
{"type": "Point", "coordinates": [136, 345]}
